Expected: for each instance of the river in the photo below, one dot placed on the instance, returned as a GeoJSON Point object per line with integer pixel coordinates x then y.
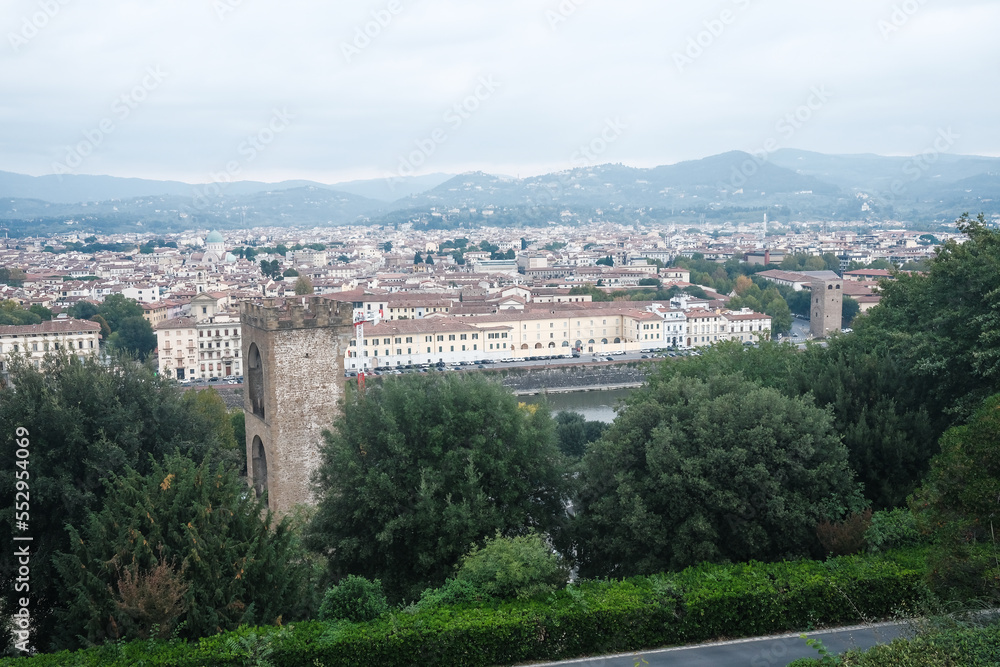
{"type": "Point", "coordinates": [594, 405]}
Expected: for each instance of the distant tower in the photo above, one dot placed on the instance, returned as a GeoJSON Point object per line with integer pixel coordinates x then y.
{"type": "Point", "coordinates": [765, 225]}
{"type": "Point", "coordinates": [293, 352]}
{"type": "Point", "coordinates": [827, 303]}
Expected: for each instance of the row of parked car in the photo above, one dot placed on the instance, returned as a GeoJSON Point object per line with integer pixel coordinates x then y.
{"type": "Point", "coordinates": [229, 379]}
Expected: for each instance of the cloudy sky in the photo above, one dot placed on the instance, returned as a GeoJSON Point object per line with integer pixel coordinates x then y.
{"type": "Point", "coordinates": [200, 90]}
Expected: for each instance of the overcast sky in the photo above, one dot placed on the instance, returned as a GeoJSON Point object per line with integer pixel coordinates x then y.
{"type": "Point", "coordinates": [201, 90]}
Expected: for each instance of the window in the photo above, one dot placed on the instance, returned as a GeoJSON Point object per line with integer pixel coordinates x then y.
{"type": "Point", "coordinates": [464, 337]}
{"type": "Point", "coordinates": [409, 339]}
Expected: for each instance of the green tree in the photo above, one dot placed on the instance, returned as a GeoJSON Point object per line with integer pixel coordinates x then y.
{"type": "Point", "coordinates": [86, 420]}
{"type": "Point", "coordinates": [281, 249]}
{"type": "Point", "coordinates": [849, 311]}
{"type": "Point", "coordinates": [387, 246]}
{"type": "Point", "coordinates": [419, 468]}
{"type": "Point", "coordinates": [710, 469]}
{"type": "Point", "coordinates": [116, 308]}
{"type": "Point", "coordinates": [83, 310]}
{"type": "Point", "coordinates": [606, 261]}
{"type": "Point", "coordinates": [239, 565]}
{"type": "Point", "coordinates": [430, 260]}
{"type": "Point", "coordinates": [649, 282]}
{"type": "Point", "coordinates": [354, 599]}
{"type": "Point", "coordinates": [12, 314]}
{"type": "Point", "coordinates": [303, 286]}
{"type": "Point", "coordinates": [574, 433]}
{"type": "Point", "coordinates": [418, 258]}
{"type": "Point", "coordinates": [135, 335]}
{"type": "Point", "coordinates": [41, 311]}
{"type": "Point", "coordinates": [518, 567]}
{"type": "Point", "coordinates": [105, 329]}
{"type": "Point", "coordinates": [959, 506]}
{"type": "Point", "coordinates": [290, 273]}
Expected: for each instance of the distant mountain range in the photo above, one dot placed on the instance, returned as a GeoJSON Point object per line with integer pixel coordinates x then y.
{"type": "Point", "coordinates": [788, 184]}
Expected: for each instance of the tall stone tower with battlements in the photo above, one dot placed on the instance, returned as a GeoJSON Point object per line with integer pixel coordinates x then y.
{"type": "Point", "coordinates": [826, 310]}
{"type": "Point", "coordinates": [293, 352]}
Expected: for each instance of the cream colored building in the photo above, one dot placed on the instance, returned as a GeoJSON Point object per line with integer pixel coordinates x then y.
{"type": "Point", "coordinates": [79, 337]}
{"type": "Point", "coordinates": [204, 345]}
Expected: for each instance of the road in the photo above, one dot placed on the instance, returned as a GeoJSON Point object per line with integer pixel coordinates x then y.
{"type": "Point", "coordinates": [774, 651]}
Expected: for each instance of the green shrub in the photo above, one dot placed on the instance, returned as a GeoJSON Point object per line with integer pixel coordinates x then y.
{"type": "Point", "coordinates": [589, 618]}
{"type": "Point", "coordinates": [513, 567]}
{"type": "Point", "coordinates": [354, 599]}
{"type": "Point", "coordinates": [454, 592]}
{"type": "Point", "coordinates": [892, 529]}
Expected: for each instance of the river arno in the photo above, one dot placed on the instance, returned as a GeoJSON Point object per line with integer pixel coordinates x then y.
{"type": "Point", "coordinates": [594, 405]}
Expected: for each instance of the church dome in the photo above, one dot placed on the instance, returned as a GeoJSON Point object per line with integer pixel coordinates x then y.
{"type": "Point", "coordinates": [215, 237]}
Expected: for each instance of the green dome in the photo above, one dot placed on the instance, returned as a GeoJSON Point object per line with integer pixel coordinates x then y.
{"type": "Point", "coordinates": [215, 237]}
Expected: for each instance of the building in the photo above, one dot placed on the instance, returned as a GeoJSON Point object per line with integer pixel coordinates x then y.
{"type": "Point", "coordinates": [295, 379]}
{"type": "Point", "coordinates": [79, 337]}
{"type": "Point", "coordinates": [827, 303]}
{"type": "Point", "coordinates": [204, 345]}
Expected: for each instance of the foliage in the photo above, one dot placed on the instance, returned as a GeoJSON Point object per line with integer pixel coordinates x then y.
{"type": "Point", "coordinates": [354, 599]}
{"type": "Point", "coordinates": [717, 469]}
{"type": "Point", "coordinates": [83, 310]}
{"type": "Point", "coordinates": [290, 273]}
{"type": "Point", "coordinates": [115, 309]}
{"type": "Point", "coordinates": [575, 432]}
{"type": "Point", "coordinates": [12, 314]}
{"type": "Point", "coordinates": [41, 311]}
{"type": "Point", "coordinates": [843, 538]}
{"type": "Point", "coordinates": [270, 268]}
{"type": "Point", "coordinates": [303, 286]}
{"type": "Point", "coordinates": [944, 326]}
{"type": "Point", "coordinates": [590, 618]}
{"type": "Point", "coordinates": [892, 529]}
{"type": "Point", "coordinates": [135, 336]}
{"type": "Point", "coordinates": [105, 329]}
{"type": "Point", "coordinates": [849, 310]}
{"type": "Point", "coordinates": [959, 505]}
{"type": "Point", "coordinates": [421, 467]}
{"type": "Point", "coordinates": [606, 261]}
{"type": "Point", "coordinates": [87, 421]}
{"type": "Point", "coordinates": [513, 567]}
{"type": "Point", "coordinates": [238, 563]}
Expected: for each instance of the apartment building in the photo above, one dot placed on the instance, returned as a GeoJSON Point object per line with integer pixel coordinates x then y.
{"type": "Point", "coordinates": [79, 337]}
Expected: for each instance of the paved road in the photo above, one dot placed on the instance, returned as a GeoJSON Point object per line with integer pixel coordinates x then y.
{"type": "Point", "coordinates": [774, 651]}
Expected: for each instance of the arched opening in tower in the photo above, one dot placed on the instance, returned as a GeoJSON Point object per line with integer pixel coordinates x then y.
{"type": "Point", "coordinates": [255, 380]}
{"type": "Point", "coordinates": [259, 463]}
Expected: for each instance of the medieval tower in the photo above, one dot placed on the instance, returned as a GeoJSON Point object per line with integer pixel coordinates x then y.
{"type": "Point", "coordinates": [293, 351]}
{"type": "Point", "coordinates": [827, 303]}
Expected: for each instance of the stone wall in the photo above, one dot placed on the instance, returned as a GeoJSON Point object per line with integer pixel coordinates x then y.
{"type": "Point", "coordinates": [577, 376]}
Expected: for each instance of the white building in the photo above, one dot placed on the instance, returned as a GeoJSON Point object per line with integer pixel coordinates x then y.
{"type": "Point", "coordinates": [79, 337]}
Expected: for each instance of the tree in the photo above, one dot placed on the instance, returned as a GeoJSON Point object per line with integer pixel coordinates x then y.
{"type": "Point", "coordinates": [271, 269]}
{"type": "Point", "coordinates": [508, 568]}
{"type": "Point", "coordinates": [86, 420]}
{"type": "Point", "coordinates": [237, 563]}
{"type": "Point", "coordinates": [430, 260]}
{"type": "Point", "coordinates": [418, 258]}
{"type": "Point", "coordinates": [959, 506]}
{"type": "Point", "coordinates": [574, 433]}
{"type": "Point", "coordinates": [250, 254]}
{"type": "Point", "coordinates": [419, 468]}
{"type": "Point", "coordinates": [290, 273]}
{"type": "Point", "coordinates": [709, 470]}
{"type": "Point", "coordinates": [606, 261]}
{"type": "Point", "coordinates": [281, 249]}
{"type": "Point", "coordinates": [344, 259]}
{"type": "Point", "coordinates": [12, 314]}
{"type": "Point", "coordinates": [105, 329]}
{"type": "Point", "coordinates": [116, 308]}
{"type": "Point", "coordinates": [135, 335]}
{"type": "Point", "coordinates": [303, 286]}
{"type": "Point", "coordinates": [649, 282]}
{"type": "Point", "coordinates": [849, 310]}
{"type": "Point", "coordinates": [41, 311]}
{"type": "Point", "coordinates": [387, 246]}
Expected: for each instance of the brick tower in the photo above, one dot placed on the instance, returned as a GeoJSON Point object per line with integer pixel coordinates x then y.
{"type": "Point", "coordinates": [293, 351]}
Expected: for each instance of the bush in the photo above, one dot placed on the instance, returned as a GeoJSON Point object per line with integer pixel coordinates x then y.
{"type": "Point", "coordinates": [513, 567]}
{"type": "Point", "coordinates": [892, 529]}
{"type": "Point", "coordinates": [590, 618]}
{"type": "Point", "coordinates": [355, 599]}
{"type": "Point", "coordinates": [843, 538]}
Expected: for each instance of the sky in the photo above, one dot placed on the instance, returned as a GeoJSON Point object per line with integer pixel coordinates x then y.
{"type": "Point", "coordinates": [216, 90]}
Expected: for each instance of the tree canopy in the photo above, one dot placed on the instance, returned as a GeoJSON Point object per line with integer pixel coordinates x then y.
{"type": "Point", "coordinates": [711, 469]}
{"type": "Point", "coordinates": [420, 468]}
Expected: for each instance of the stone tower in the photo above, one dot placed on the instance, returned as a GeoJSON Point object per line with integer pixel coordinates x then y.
{"type": "Point", "coordinates": [827, 303]}
{"type": "Point", "coordinates": [293, 351]}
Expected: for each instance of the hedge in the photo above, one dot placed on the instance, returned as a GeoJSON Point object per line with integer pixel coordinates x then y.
{"type": "Point", "coordinates": [698, 604]}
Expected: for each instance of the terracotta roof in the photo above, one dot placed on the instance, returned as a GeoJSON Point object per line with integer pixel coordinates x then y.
{"type": "Point", "coordinates": [52, 326]}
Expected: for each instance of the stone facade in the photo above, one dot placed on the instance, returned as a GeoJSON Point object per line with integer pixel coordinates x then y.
{"type": "Point", "coordinates": [294, 357]}
{"type": "Point", "coordinates": [827, 307]}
